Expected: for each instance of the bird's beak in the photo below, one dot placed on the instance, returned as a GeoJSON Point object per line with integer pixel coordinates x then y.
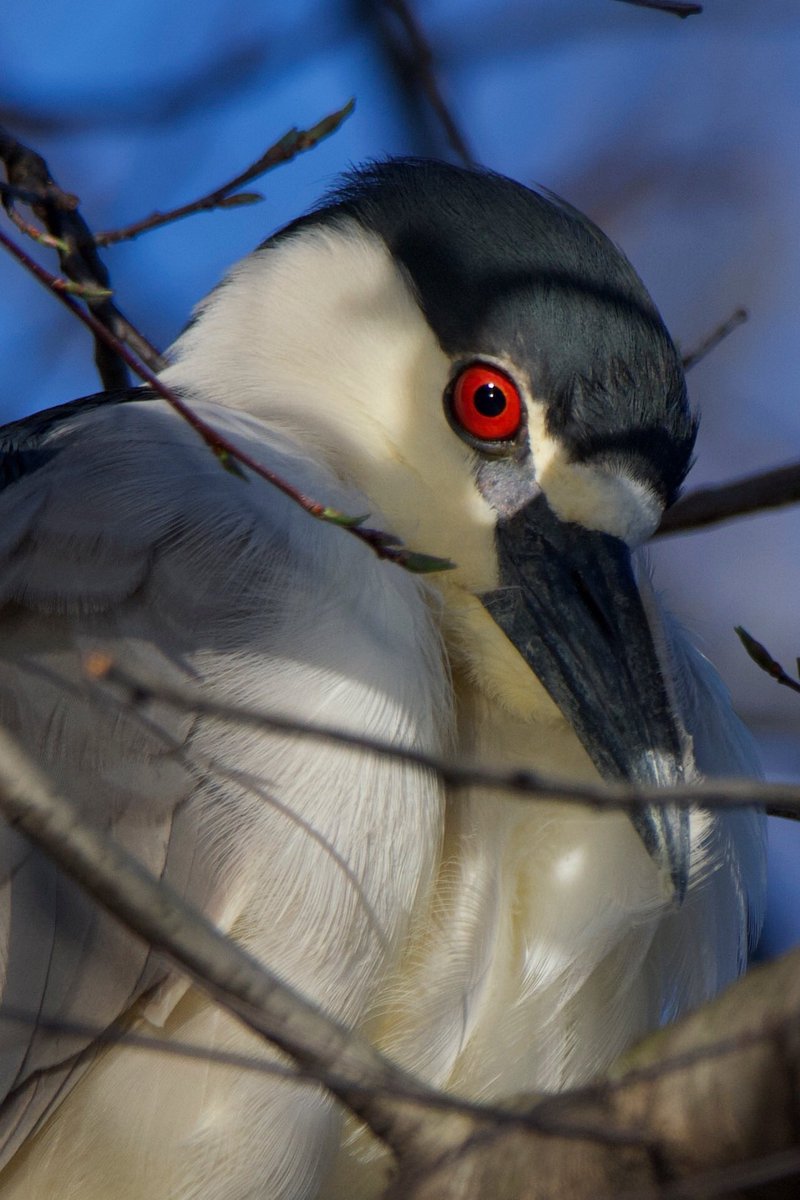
{"type": "Point", "coordinates": [569, 603]}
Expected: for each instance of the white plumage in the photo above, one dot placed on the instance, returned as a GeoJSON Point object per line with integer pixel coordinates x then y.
{"type": "Point", "coordinates": [489, 944]}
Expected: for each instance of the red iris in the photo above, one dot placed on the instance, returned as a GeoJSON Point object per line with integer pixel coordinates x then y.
{"type": "Point", "coordinates": [487, 404]}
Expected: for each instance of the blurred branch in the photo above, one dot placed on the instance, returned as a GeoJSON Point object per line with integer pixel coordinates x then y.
{"type": "Point", "coordinates": [743, 497]}
{"type": "Point", "coordinates": [667, 6]}
{"type": "Point", "coordinates": [170, 97]}
{"type": "Point", "coordinates": [286, 148]}
{"type": "Point", "coordinates": [31, 183]}
{"type": "Point", "coordinates": [414, 64]}
{"type": "Point", "coordinates": [778, 798]}
{"type": "Point", "coordinates": [762, 658]}
{"type": "Point", "coordinates": [709, 343]}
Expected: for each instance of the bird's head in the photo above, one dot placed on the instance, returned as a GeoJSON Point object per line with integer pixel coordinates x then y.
{"type": "Point", "coordinates": [485, 365]}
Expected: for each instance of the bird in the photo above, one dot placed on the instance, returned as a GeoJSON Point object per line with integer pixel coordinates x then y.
{"type": "Point", "coordinates": [475, 365]}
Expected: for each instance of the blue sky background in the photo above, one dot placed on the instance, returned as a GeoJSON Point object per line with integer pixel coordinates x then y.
{"type": "Point", "coordinates": [678, 137]}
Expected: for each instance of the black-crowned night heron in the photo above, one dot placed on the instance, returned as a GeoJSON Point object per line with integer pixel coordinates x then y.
{"type": "Point", "coordinates": [476, 366]}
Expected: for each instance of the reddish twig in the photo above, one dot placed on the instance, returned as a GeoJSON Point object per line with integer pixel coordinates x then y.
{"type": "Point", "coordinates": [286, 148]}
{"type": "Point", "coordinates": [419, 62]}
{"type": "Point", "coordinates": [385, 545]}
{"type": "Point", "coordinates": [709, 343]}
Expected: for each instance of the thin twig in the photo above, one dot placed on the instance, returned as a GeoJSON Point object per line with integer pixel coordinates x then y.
{"type": "Point", "coordinates": [419, 62]}
{"type": "Point", "coordinates": [709, 343]}
{"type": "Point", "coordinates": [117, 1035]}
{"type": "Point", "coordinates": [385, 545]}
{"type": "Point", "coordinates": [718, 793]}
{"type": "Point", "coordinates": [286, 148]}
{"type": "Point", "coordinates": [668, 6]}
{"type": "Point", "coordinates": [762, 658]}
{"type": "Point", "coordinates": [743, 497]}
{"type": "Point", "coordinates": [29, 174]}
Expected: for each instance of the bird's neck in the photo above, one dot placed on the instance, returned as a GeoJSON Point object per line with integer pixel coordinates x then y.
{"type": "Point", "coordinates": [504, 714]}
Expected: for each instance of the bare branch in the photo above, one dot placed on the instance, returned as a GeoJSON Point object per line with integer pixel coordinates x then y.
{"type": "Point", "coordinates": [709, 343]}
{"type": "Point", "coordinates": [120, 1035]}
{"type": "Point", "coordinates": [29, 175]}
{"type": "Point", "coordinates": [284, 150]}
{"type": "Point", "coordinates": [779, 798]}
{"type": "Point", "coordinates": [30, 196]}
{"type": "Point", "coordinates": [743, 497]}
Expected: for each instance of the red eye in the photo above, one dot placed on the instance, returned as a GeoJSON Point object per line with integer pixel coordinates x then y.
{"type": "Point", "coordinates": [487, 404]}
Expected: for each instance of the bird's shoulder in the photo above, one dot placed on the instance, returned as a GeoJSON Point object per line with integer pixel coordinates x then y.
{"type": "Point", "coordinates": [118, 474]}
{"type": "Point", "coordinates": [99, 495]}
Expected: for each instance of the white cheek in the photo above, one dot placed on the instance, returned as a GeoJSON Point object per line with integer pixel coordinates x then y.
{"type": "Point", "coordinates": [589, 495]}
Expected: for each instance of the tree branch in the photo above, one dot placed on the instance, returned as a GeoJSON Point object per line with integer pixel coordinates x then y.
{"type": "Point", "coordinates": [780, 799]}
{"type": "Point", "coordinates": [29, 175]}
{"type": "Point", "coordinates": [414, 63]}
{"type": "Point", "coordinates": [762, 658]}
{"type": "Point", "coordinates": [284, 150]}
{"type": "Point", "coordinates": [709, 343]}
{"type": "Point", "coordinates": [743, 497]}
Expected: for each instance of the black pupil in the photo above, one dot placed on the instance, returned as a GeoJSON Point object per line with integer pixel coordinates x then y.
{"type": "Point", "coordinates": [489, 400]}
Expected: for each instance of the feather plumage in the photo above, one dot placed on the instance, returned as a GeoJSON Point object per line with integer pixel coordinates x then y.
{"type": "Point", "coordinates": [209, 576]}
{"type": "Point", "coordinates": [490, 944]}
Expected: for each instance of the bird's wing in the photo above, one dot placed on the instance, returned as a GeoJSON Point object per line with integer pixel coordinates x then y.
{"type": "Point", "coordinates": [723, 746]}
{"type": "Point", "coordinates": [120, 530]}
{"type": "Point", "coordinates": [725, 906]}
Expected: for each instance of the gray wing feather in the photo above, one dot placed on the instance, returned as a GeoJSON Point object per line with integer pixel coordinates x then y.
{"type": "Point", "coordinates": [725, 906]}
{"type": "Point", "coordinates": [723, 746]}
{"type": "Point", "coordinates": [128, 536]}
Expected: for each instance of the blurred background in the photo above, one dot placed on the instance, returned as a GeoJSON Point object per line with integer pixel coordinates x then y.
{"type": "Point", "coordinates": [679, 137]}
